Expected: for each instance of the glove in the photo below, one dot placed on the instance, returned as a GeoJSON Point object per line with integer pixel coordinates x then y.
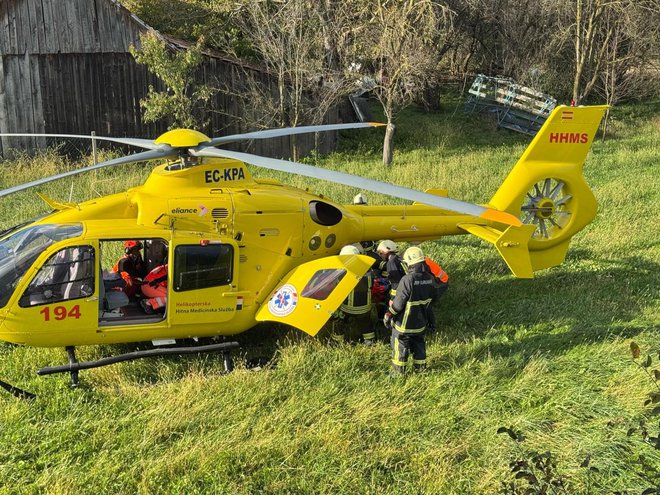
{"type": "Point", "coordinates": [387, 320]}
{"type": "Point", "coordinates": [339, 315]}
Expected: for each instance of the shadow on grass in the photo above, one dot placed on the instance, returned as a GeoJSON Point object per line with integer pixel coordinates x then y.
{"type": "Point", "coordinates": [556, 311]}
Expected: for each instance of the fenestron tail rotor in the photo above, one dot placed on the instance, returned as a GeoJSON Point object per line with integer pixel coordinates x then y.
{"type": "Point", "coordinates": [548, 206]}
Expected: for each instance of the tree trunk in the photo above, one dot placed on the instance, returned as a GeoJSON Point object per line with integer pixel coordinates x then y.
{"type": "Point", "coordinates": [579, 60]}
{"type": "Point", "coordinates": [388, 150]}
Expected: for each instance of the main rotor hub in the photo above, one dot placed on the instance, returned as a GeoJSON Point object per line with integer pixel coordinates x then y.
{"type": "Point", "coordinates": [182, 138]}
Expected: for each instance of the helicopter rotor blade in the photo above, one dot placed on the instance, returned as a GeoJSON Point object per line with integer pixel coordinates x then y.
{"type": "Point", "coordinates": [364, 183]}
{"type": "Point", "coordinates": [138, 142]}
{"type": "Point", "coordinates": [163, 151]}
{"type": "Point", "coordinates": [286, 131]}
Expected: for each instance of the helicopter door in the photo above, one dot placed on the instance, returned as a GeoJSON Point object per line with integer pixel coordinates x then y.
{"type": "Point", "coordinates": [60, 299]}
{"type": "Point", "coordinates": [202, 281]}
{"type": "Point", "coordinates": [310, 293]}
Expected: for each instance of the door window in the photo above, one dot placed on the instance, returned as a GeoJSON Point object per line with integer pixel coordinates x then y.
{"type": "Point", "coordinates": [199, 267]}
{"type": "Point", "coordinates": [323, 283]}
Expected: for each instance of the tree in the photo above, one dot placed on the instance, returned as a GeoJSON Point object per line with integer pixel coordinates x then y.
{"type": "Point", "coordinates": [183, 99]}
{"type": "Point", "coordinates": [192, 19]}
{"type": "Point", "coordinates": [584, 31]}
{"type": "Point", "coordinates": [399, 46]}
{"type": "Point", "coordinates": [499, 37]}
{"type": "Point", "coordinates": [293, 41]}
{"type": "Point", "coordinates": [628, 68]}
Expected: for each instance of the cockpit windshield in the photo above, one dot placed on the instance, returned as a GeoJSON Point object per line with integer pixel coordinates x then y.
{"type": "Point", "coordinates": [19, 250]}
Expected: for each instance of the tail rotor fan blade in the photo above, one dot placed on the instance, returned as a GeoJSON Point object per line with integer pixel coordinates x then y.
{"type": "Point", "coordinates": [163, 151]}
{"type": "Point", "coordinates": [364, 183]}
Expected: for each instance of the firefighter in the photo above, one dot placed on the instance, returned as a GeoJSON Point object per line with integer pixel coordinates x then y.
{"type": "Point", "coordinates": [391, 268]}
{"type": "Point", "coordinates": [131, 267]}
{"type": "Point", "coordinates": [154, 289]}
{"type": "Point", "coordinates": [369, 249]}
{"type": "Point", "coordinates": [354, 315]}
{"type": "Point", "coordinates": [380, 288]}
{"type": "Point", "coordinates": [410, 314]}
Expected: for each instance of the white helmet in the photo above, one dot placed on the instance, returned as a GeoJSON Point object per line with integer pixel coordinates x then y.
{"type": "Point", "coordinates": [350, 249]}
{"type": "Point", "coordinates": [413, 255]}
{"type": "Point", "coordinates": [387, 246]}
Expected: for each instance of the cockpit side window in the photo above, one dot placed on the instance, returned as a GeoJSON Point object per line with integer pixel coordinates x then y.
{"type": "Point", "coordinates": [199, 267]}
{"type": "Point", "coordinates": [67, 275]}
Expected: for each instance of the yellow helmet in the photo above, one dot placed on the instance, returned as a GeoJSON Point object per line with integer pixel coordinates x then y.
{"type": "Point", "coordinates": [413, 255]}
{"type": "Point", "coordinates": [350, 249]}
{"type": "Point", "coordinates": [387, 246]}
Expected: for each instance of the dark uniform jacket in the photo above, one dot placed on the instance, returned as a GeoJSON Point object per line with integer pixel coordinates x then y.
{"type": "Point", "coordinates": [393, 271]}
{"type": "Point", "coordinates": [131, 264]}
{"type": "Point", "coordinates": [358, 301]}
{"type": "Point", "coordinates": [414, 295]}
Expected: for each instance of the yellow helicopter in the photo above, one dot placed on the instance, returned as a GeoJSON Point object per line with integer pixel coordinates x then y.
{"type": "Point", "coordinates": [240, 250]}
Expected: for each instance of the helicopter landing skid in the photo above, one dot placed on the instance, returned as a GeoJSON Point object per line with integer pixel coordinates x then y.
{"type": "Point", "coordinates": [16, 392]}
{"type": "Point", "coordinates": [75, 366]}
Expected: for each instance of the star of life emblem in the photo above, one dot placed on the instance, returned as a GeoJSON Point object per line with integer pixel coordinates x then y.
{"type": "Point", "coordinates": [284, 301]}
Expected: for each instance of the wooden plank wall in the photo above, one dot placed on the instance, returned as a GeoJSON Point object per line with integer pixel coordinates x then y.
{"type": "Point", "coordinates": [65, 68]}
{"type": "Point", "coordinates": [65, 26]}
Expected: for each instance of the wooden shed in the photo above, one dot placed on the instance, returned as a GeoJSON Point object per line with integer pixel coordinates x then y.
{"type": "Point", "coordinates": [65, 67]}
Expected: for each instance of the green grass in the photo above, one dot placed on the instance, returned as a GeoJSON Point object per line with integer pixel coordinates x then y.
{"type": "Point", "coordinates": [547, 356]}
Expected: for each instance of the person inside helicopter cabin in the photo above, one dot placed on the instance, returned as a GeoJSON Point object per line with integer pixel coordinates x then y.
{"type": "Point", "coordinates": [154, 290]}
{"type": "Point", "coordinates": [131, 267]}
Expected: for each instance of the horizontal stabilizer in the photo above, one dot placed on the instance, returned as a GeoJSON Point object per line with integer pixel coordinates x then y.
{"type": "Point", "coordinates": [54, 204]}
{"type": "Point", "coordinates": [511, 244]}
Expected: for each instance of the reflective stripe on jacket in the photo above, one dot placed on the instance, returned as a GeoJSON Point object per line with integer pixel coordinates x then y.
{"type": "Point", "coordinates": [414, 295]}
{"type": "Point", "coordinates": [358, 301]}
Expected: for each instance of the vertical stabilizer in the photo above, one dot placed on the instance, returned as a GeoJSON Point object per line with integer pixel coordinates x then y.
{"type": "Point", "coordinates": [546, 188]}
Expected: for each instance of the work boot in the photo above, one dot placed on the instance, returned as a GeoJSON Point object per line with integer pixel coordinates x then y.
{"type": "Point", "coordinates": [368, 342]}
{"type": "Point", "coordinates": [144, 304]}
{"type": "Point", "coordinates": [418, 368]}
{"type": "Point", "coordinates": [397, 371]}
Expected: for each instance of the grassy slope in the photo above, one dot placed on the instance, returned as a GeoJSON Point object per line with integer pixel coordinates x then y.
{"type": "Point", "coordinates": [548, 357]}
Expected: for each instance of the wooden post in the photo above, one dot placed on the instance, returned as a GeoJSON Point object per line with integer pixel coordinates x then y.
{"type": "Point", "coordinates": [94, 147]}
